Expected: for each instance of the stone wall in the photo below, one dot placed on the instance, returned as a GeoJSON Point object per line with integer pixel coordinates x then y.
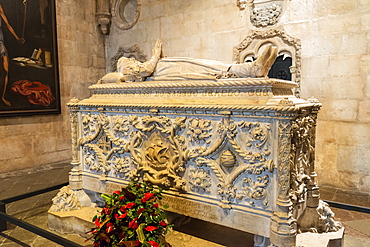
{"type": "Point", "coordinates": [40, 140]}
{"type": "Point", "coordinates": [335, 38]}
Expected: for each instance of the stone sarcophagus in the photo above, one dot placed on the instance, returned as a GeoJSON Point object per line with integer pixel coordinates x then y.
{"type": "Point", "coordinates": [236, 152]}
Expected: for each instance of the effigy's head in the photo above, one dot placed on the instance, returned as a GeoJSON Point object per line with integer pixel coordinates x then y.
{"type": "Point", "coordinates": [130, 69]}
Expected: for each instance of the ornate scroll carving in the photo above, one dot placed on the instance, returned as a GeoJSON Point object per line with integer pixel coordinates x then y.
{"type": "Point", "coordinates": [120, 165]}
{"type": "Point", "coordinates": [284, 132]}
{"type": "Point", "coordinates": [256, 190]}
{"type": "Point", "coordinates": [158, 151]}
{"type": "Point", "coordinates": [226, 170]}
{"type": "Point", "coordinates": [302, 155]}
{"type": "Point", "coordinates": [67, 200]}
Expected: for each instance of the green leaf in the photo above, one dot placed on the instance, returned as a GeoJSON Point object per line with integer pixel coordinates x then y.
{"type": "Point", "coordinates": [140, 233]}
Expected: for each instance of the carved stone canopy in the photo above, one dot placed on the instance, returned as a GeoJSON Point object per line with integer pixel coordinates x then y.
{"type": "Point", "coordinates": [286, 45]}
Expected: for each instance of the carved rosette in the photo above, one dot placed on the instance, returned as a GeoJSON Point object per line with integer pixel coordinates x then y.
{"type": "Point", "coordinates": [120, 165]}
{"type": "Point", "coordinates": [199, 130]}
{"type": "Point", "coordinates": [200, 180]}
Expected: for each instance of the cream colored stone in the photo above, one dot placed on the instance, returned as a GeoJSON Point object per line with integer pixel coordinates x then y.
{"type": "Point", "coordinates": [346, 66]}
{"type": "Point", "coordinates": [344, 88]}
{"type": "Point", "coordinates": [315, 67]}
{"type": "Point", "coordinates": [365, 182]}
{"type": "Point", "coordinates": [364, 111]}
{"type": "Point", "coordinates": [340, 110]}
{"type": "Point", "coordinates": [351, 134]}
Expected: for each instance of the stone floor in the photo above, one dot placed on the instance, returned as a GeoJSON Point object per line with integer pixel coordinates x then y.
{"type": "Point", "coordinates": [196, 233]}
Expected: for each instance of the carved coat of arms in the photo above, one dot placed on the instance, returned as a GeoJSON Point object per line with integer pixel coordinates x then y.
{"type": "Point", "coordinates": [263, 13]}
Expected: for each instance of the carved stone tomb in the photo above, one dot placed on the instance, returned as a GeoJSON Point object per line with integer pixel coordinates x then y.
{"type": "Point", "coordinates": [236, 152]}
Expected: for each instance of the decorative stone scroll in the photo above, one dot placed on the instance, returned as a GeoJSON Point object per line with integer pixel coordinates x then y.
{"type": "Point", "coordinates": [236, 152]}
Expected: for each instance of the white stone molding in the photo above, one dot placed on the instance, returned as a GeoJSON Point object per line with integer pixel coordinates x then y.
{"type": "Point", "coordinates": [126, 13]}
{"type": "Point", "coordinates": [286, 45]}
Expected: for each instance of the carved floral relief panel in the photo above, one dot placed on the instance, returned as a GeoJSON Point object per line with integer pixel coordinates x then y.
{"type": "Point", "coordinates": [220, 157]}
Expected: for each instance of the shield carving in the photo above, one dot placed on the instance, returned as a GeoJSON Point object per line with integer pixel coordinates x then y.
{"type": "Point", "coordinates": [263, 13]}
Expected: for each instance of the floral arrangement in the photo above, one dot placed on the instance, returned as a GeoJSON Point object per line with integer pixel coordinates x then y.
{"type": "Point", "coordinates": [131, 217]}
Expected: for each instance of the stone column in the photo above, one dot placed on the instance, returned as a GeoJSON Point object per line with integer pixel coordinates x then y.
{"type": "Point", "coordinates": [75, 175]}
{"type": "Point", "coordinates": [283, 228]}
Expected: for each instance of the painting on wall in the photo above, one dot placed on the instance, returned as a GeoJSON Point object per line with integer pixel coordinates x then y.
{"type": "Point", "coordinates": [29, 78]}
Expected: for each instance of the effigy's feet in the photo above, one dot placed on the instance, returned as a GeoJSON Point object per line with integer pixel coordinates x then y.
{"type": "Point", "coordinates": [265, 61]}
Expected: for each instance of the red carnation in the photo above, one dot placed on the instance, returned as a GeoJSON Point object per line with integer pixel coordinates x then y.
{"type": "Point", "coordinates": [153, 243]}
{"type": "Point", "coordinates": [122, 209]}
{"type": "Point", "coordinates": [141, 210]}
{"type": "Point", "coordinates": [133, 224]}
{"type": "Point", "coordinates": [117, 192]}
{"type": "Point", "coordinates": [130, 205]}
{"type": "Point", "coordinates": [162, 223]}
{"type": "Point", "coordinates": [109, 227]}
{"type": "Point", "coordinates": [155, 205]}
{"type": "Point", "coordinates": [105, 211]}
{"type": "Point", "coordinates": [121, 198]}
{"type": "Point", "coordinates": [146, 197]}
{"type": "Point", "coordinates": [150, 228]}
{"type": "Point", "coordinates": [122, 216]}
{"type": "Point", "coordinates": [97, 223]}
